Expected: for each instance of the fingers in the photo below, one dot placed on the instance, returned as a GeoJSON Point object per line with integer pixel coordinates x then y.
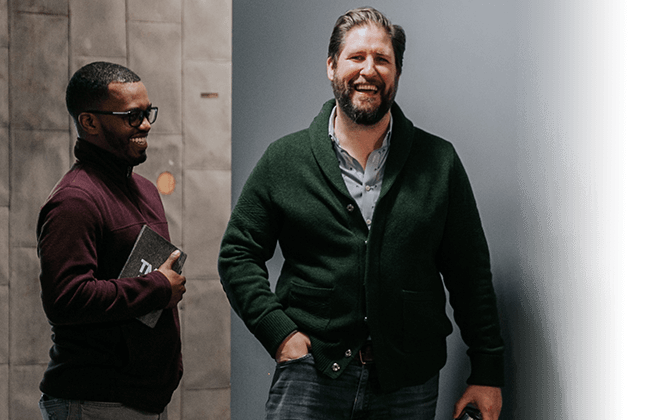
{"type": "Point", "coordinates": [459, 406]}
{"type": "Point", "coordinates": [176, 280]}
{"type": "Point", "coordinates": [177, 289]}
{"type": "Point", "coordinates": [487, 399]}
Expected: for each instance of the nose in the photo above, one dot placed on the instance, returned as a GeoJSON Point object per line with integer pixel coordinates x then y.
{"type": "Point", "coordinates": [368, 67]}
{"type": "Point", "coordinates": [145, 124]}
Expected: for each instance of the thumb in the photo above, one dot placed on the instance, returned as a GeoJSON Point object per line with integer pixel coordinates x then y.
{"type": "Point", "coordinates": [459, 406]}
{"type": "Point", "coordinates": [172, 258]}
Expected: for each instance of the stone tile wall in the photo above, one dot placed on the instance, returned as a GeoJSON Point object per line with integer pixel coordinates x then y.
{"type": "Point", "coordinates": [182, 51]}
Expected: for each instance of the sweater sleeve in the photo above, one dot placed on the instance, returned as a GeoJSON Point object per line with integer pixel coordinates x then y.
{"type": "Point", "coordinates": [249, 241]}
{"type": "Point", "coordinates": [464, 263]}
{"type": "Point", "coordinates": [69, 239]}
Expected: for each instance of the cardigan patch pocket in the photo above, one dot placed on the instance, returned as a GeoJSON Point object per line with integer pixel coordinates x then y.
{"type": "Point", "coordinates": [425, 325]}
{"type": "Point", "coordinates": [310, 306]}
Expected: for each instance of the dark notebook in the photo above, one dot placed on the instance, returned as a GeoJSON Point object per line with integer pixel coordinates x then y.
{"type": "Point", "coordinates": [150, 251]}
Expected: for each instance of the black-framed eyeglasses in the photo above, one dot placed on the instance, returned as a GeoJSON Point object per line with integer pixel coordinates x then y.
{"type": "Point", "coordinates": [135, 117]}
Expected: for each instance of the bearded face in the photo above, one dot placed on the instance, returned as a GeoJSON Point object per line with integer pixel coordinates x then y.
{"type": "Point", "coordinates": [117, 135]}
{"type": "Point", "coordinates": [364, 75]}
{"type": "Point", "coordinates": [364, 102]}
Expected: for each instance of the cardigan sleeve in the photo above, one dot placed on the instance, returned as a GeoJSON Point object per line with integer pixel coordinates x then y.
{"type": "Point", "coordinates": [69, 237]}
{"type": "Point", "coordinates": [464, 262]}
{"type": "Point", "coordinates": [249, 241]}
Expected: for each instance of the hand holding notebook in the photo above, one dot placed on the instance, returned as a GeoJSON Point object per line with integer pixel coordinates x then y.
{"type": "Point", "coordinates": [152, 250]}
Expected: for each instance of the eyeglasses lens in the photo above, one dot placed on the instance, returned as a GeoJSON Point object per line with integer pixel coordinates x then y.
{"type": "Point", "coordinates": [136, 118]}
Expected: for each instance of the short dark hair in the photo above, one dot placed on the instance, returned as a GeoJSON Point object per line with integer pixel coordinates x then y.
{"type": "Point", "coordinates": [88, 87]}
{"type": "Point", "coordinates": [365, 16]}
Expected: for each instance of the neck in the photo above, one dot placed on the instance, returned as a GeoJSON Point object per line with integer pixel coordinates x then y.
{"type": "Point", "coordinates": [97, 141]}
{"type": "Point", "coordinates": [357, 139]}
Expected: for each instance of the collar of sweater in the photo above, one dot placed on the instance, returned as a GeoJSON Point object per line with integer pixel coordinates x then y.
{"type": "Point", "coordinates": [113, 166]}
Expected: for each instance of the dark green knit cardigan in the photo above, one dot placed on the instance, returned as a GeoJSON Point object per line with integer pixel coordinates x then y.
{"type": "Point", "coordinates": [341, 281]}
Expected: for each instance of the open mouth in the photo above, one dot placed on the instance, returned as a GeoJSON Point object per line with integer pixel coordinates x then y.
{"type": "Point", "coordinates": [365, 88]}
{"type": "Point", "coordinates": [141, 142]}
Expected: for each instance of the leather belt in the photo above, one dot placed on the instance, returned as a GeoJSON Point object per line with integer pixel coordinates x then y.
{"type": "Point", "coordinates": [365, 355]}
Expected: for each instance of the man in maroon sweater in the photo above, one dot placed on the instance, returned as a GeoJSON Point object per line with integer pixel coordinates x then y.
{"type": "Point", "coordinates": [106, 364]}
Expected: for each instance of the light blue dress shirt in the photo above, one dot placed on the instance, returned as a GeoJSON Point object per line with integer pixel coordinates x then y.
{"type": "Point", "coordinates": [364, 185]}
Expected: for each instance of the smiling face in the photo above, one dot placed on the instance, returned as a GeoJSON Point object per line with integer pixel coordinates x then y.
{"type": "Point", "coordinates": [117, 136]}
{"type": "Point", "coordinates": [365, 79]}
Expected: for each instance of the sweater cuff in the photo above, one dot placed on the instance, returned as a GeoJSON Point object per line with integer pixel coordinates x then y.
{"type": "Point", "coordinates": [164, 290]}
{"type": "Point", "coordinates": [273, 330]}
{"type": "Point", "coordinates": [487, 370]}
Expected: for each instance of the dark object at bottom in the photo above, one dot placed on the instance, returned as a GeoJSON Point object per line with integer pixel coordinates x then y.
{"type": "Point", "coordinates": [470, 413]}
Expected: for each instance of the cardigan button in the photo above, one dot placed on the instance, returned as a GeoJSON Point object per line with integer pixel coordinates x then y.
{"type": "Point", "coordinates": [335, 367]}
{"type": "Point", "coordinates": [350, 207]}
{"type": "Point", "coordinates": [349, 353]}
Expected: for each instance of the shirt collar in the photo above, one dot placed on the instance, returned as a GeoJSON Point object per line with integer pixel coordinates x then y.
{"type": "Point", "coordinates": [330, 129]}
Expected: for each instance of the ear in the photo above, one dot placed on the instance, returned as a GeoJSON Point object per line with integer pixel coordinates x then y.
{"type": "Point", "coordinates": [330, 68]}
{"type": "Point", "coordinates": [89, 123]}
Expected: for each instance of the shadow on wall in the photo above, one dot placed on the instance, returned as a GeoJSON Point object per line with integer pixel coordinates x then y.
{"type": "Point", "coordinates": [534, 388]}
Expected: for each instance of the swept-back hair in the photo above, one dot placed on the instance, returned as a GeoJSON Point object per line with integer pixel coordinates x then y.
{"type": "Point", "coordinates": [364, 16]}
{"type": "Point", "coordinates": [88, 87]}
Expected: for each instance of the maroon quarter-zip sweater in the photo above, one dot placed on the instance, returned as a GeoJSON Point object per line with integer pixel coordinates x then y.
{"type": "Point", "coordinates": [86, 230]}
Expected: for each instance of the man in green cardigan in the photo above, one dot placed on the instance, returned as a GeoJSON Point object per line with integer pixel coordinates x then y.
{"type": "Point", "coordinates": [374, 218]}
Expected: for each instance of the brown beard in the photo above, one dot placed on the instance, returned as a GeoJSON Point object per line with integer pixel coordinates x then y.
{"type": "Point", "coordinates": [342, 93]}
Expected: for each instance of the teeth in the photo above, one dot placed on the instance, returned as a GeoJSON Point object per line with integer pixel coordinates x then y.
{"type": "Point", "coordinates": [366, 87]}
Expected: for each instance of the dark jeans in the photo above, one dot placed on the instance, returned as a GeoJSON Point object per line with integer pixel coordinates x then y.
{"type": "Point", "coordinates": [59, 409]}
{"type": "Point", "coordinates": [299, 391]}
